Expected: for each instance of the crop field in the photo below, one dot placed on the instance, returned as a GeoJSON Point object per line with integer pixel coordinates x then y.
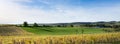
{"type": "Point", "coordinates": [63, 30]}
{"type": "Point", "coordinates": [57, 35]}
{"type": "Point", "coordinates": [106, 38]}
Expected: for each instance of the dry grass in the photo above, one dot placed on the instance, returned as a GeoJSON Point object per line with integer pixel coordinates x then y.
{"type": "Point", "coordinates": [107, 38]}
{"type": "Point", "coordinates": [11, 30]}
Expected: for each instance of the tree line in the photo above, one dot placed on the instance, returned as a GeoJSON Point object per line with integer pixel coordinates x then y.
{"type": "Point", "coordinates": [25, 24]}
{"type": "Point", "coordinates": [99, 25]}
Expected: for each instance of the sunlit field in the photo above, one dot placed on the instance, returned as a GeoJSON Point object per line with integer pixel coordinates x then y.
{"type": "Point", "coordinates": [57, 35]}
{"type": "Point", "coordinates": [106, 38]}
{"type": "Point", "coordinates": [63, 30]}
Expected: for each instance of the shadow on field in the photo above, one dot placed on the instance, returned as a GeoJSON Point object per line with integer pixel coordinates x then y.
{"type": "Point", "coordinates": [47, 29]}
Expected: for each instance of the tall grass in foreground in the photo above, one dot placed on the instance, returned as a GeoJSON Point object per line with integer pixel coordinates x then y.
{"type": "Point", "coordinates": [107, 38]}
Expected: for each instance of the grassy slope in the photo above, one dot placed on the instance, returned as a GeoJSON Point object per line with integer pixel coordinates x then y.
{"type": "Point", "coordinates": [61, 30]}
{"type": "Point", "coordinates": [12, 30]}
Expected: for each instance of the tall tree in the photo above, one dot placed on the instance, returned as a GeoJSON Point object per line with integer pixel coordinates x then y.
{"type": "Point", "coordinates": [35, 25]}
{"type": "Point", "coordinates": [25, 24]}
{"type": "Point", "coordinates": [72, 25]}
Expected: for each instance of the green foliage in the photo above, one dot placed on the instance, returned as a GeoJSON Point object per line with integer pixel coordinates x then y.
{"type": "Point", "coordinates": [59, 26]}
{"type": "Point", "coordinates": [116, 28]}
{"type": "Point", "coordinates": [35, 25]}
{"type": "Point", "coordinates": [71, 25]}
{"type": "Point", "coordinates": [25, 24]}
{"type": "Point", "coordinates": [82, 31]}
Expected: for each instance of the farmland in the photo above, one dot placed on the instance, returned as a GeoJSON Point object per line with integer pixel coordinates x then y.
{"type": "Point", "coordinates": [62, 30]}
{"type": "Point", "coordinates": [57, 35]}
{"type": "Point", "coordinates": [106, 38]}
{"type": "Point", "coordinates": [59, 21]}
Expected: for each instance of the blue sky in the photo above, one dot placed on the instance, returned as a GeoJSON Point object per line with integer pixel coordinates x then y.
{"type": "Point", "coordinates": [56, 11]}
{"type": "Point", "coordinates": [72, 3]}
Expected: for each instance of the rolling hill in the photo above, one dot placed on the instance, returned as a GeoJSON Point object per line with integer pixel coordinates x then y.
{"type": "Point", "coordinates": [12, 30]}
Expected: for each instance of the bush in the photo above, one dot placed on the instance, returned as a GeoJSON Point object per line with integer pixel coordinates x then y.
{"type": "Point", "coordinates": [25, 24]}
{"type": "Point", "coordinates": [35, 25]}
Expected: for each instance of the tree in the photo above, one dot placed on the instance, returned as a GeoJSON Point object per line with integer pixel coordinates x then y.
{"type": "Point", "coordinates": [35, 25]}
{"type": "Point", "coordinates": [72, 25]}
{"type": "Point", "coordinates": [82, 31]}
{"type": "Point", "coordinates": [116, 28]}
{"type": "Point", "coordinates": [58, 25]}
{"type": "Point", "coordinates": [44, 26]}
{"type": "Point", "coordinates": [25, 24]}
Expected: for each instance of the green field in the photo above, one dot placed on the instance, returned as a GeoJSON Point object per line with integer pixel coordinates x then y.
{"type": "Point", "coordinates": [62, 30]}
{"type": "Point", "coordinates": [57, 35]}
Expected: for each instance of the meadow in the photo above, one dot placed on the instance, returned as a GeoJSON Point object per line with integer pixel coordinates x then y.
{"type": "Point", "coordinates": [57, 35]}
{"type": "Point", "coordinates": [63, 30]}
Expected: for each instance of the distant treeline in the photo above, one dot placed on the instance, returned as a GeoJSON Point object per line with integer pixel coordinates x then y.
{"type": "Point", "coordinates": [76, 24]}
{"type": "Point", "coordinates": [112, 24]}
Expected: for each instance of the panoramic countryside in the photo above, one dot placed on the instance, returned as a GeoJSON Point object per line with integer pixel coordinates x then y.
{"type": "Point", "coordinates": [59, 21]}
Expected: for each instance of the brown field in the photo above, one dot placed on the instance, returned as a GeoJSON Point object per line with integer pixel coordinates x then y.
{"type": "Point", "coordinates": [11, 30]}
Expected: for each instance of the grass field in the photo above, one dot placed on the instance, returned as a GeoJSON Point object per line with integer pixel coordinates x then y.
{"type": "Point", "coordinates": [62, 30]}
{"type": "Point", "coordinates": [57, 35]}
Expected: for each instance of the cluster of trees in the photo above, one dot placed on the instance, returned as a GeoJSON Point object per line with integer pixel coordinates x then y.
{"type": "Point", "coordinates": [116, 27]}
{"type": "Point", "coordinates": [100, 25]}
{"type": "Point", "coordinates": [25, 24]}
{"type": "Point", "coordinates": [62, 25]}
{"type": "Point", "coordinates": [97, 25]}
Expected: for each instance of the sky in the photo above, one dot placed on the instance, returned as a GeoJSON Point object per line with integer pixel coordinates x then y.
{"type": "Point", "coordinates": [58, 11]}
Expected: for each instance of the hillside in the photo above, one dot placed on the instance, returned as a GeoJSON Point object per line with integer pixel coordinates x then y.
{"type": "Point", "coordinates": [12, 30]}
{"type": "Point", "coordinates": [62, 30]}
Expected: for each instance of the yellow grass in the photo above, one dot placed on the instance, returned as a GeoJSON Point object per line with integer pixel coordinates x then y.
{"type": "Point", "coordinates": [107, 38]}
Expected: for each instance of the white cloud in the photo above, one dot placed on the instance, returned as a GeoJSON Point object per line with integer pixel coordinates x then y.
{"type": "Point", "coordinates": [12, 12]}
